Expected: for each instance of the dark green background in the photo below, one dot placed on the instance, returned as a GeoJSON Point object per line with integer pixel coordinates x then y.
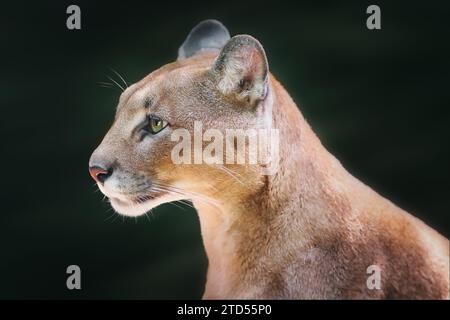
{"type": "Point", "coordinates": [377, 99]}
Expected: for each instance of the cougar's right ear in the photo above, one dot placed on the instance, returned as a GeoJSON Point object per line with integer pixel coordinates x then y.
{"type": "Point", "coordinates": [208, 35]}
{"type": "Point", "coordinates": [241, 70]}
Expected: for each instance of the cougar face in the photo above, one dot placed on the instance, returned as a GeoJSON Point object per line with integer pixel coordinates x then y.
{"type": "Point", "coordinates": [213, 82]}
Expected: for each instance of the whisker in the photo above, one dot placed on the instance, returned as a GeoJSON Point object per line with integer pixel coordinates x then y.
{"type": "Point", "coordinates": [186, 203]}
{"type": "Point", "coordinates": [110, 216]}
{"type": "Point", "coordinates": [117, 84]}
{"type": "Point", "coordinates": [231, 174]}
{"type": "Point", "coordinates": [105, 83]}
{"type": "Point", "coordinates": [96, 188]}
{"type": "Point", "coordinates": [118, 74]}
{"type": "Point", "coordinates": [188, 194]}
{"type": "Point", "coordinates": [115, 218]}
{"type": "Point", "coordinates": [176, 205]}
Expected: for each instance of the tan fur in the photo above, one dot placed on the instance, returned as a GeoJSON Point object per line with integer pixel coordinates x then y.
{"type": "Point", "coordinates": [308, 232]}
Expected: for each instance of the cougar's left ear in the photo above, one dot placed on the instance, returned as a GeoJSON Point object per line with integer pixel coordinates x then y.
{"type": "Point", "coordinates": [208, 35]}
{"type": "Point", "coordinates": [241, 69]}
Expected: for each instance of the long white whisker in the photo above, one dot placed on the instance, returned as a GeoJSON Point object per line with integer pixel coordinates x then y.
{"type": "Point", "coordinates": [118, 74]}
{"type": "Point", "coordinates": [231, 174]}
{"type": "Point", "coordinates": [176, 205]}
{"type": "Point", "coordinates": [116, 83]}
{"type": "Point", "coordinates": [186, 203]}
{"type": "Point", "coordinates": [110, 216]}
{"type": "Point", "coordinates": [105, 83]}
{"type": "Point", "coordinates": [187, 194]}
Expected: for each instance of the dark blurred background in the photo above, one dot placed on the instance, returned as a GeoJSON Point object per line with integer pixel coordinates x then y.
{"type": "Point", "coordinates": [378, 100]}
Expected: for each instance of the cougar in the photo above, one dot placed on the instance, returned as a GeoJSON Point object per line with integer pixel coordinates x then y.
{"type": "Point", "coordinates": [308, 230]}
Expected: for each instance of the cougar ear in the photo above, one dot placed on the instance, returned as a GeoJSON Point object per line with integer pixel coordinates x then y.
{"type": "Point", "coordinates": [241, 69]}
{"type": "Point", "coordinates": [207, 35]}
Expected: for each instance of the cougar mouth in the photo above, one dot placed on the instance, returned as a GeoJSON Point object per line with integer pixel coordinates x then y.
{"type": "Point", "coordinates": [129, 200]}
{"type": "Point", "coordinates": [135, 205]}
{"type": "Point", "coordinates": [152, 195]}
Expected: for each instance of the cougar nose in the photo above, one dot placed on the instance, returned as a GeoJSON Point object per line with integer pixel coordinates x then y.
{"type": "Point", "coordinates": [100, 174]}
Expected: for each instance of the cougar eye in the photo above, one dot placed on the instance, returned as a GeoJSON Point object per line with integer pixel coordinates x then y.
{"type": "Point", "coordinates": [155, 125]}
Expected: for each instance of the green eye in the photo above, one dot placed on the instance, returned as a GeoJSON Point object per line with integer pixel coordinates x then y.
{"type": "Point", "coordinates": [155, 125]}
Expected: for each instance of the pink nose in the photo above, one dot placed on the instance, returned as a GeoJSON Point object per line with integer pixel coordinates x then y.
{"type": "Point", "coordinates": [99, 174]}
